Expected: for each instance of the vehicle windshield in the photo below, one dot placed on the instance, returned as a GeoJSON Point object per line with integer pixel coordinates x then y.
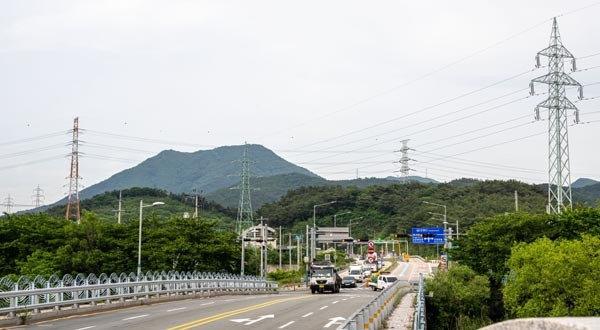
{"type": "Point", "coordinates": [348, 278]}
{"type": "Point", "coordinates": [355, 272]}
{"type": "Point", "coordinates": [321, 272]}
{"type": "Point", "coordinates": [391, 279]}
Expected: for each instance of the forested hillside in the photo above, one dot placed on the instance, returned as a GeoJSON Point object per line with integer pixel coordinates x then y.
{"type": "Point", "coordinates": [395, 208]}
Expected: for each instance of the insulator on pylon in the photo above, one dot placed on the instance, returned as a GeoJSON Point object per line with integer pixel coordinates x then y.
{"type": "Point", "coordinates": [537, 61]}
{"type": "Point", "coordinates": [581, 92]}
{"type": "Point", "coordinates": [574, 65]}
{"type": "Point", "coordinates": [537, 113]}
{"type": "Point", "coordinates": [532, 90]}
{"type": "Point", "coordinates": [576, 116]}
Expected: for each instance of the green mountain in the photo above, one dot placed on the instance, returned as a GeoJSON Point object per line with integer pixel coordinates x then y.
{"type": "Point", "coordinates": [204, 170]}
{"type": "Point", "coordinates": [589, 194]}
{"type": "Point", "coordinates": [583, 182]}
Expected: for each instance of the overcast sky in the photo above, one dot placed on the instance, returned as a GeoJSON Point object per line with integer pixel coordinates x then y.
{"type": "Point", "coordinates": [330, 85]}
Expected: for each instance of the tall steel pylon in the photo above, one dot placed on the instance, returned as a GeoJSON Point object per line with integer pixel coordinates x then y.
{"type": "Point", "coordinates": [73, 197]}
{"type": "Point", "coordinates": [9, 203]}
{"type": "Point", "coordinates": [559, 174]}
{"type": "Point", "coordinates": [404, 159]}
{"type": "Point", "coordinates": [244, 217]}
{"type": "Point", "coordinates": [38, 196]}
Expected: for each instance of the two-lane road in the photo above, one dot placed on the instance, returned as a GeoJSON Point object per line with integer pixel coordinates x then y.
{"type": "Point", "coordinates": [292, 310]}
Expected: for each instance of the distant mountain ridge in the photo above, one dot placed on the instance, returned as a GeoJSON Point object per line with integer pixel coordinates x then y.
{"type": "Point", "coordinates": [583, 182]}
{"type": "Point", "coordinates": [270, 189]}
{"type": "Point", "coordinates": [204, 170]}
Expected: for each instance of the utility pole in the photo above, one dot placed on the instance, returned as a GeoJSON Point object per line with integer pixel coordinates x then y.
{"type": "Point", "coordinates": [559, 173]}
{"type": "Point", "coordinates": [263, 251]}
{"type": "Point", "coordinates": [38, 196]}
{"type": "Point", "coordinates": [119, 210]}
{"type": "Point", "coordinates": [404, 159]}
{"type": "Point", "coordinates": [196, 204]}
{"type": "Point", "coordinates": [73, 196]}
{"type": "Point", "coordinates": [280, 242]}
{"type": "Point", "coordinates": [245, 215]}
{"type": "Point", "coordinates": [298, 252]}
{"type": "Point", "coordinates": [516, 201]}
{"type": "Point", "coordinates": [290, 250]}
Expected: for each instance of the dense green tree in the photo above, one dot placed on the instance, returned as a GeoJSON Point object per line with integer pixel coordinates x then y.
{"type": "Point", "coordinates": [43, 245]}
{"type": "Point", "coordinates": [554, 278]}
{"type": "Point", "coordinates": [457, 298]}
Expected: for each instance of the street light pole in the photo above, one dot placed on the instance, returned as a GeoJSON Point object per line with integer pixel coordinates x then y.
{"type": "Point", "coordinates": [335, 217]}
{"type": "Point", "coordinates": [314, 231]}
{"type": "Point", "coordinates": [445, 220]}
{"type": "Point", "coordinates": [139, 263]}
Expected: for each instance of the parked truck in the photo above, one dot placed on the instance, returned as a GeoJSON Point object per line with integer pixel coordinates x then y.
{"type": "Point", "coordinates": [324, 277]}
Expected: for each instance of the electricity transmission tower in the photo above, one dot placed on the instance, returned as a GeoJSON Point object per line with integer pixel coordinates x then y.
{"type": "Point", "coordinates": [9, 202]}
{"type": "Point", "coordinates": [244, 217]}
{"type": "Point", "coordinates": [404, 159]}
{"type": "Point", "coordinates": [73, 197]}
{"type": "Point", "coordinates": [559, 183]}
{"type": "Point", "coordinates": [38, 196]}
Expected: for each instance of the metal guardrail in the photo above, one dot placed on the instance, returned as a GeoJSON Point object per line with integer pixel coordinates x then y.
{"type": "Point", "coordinates": [420, 321]}
{"type": "Point", "coordinates": [371, 316]}
{"type": "Point", "coordinates": [54, 293]}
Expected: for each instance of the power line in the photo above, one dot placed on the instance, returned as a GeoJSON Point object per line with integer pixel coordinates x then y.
{"type": "Point", "coordinates": [434, 127]}
{"type": "Point", "coordinates": [427, 121]}
{"type": "Point", "coordinates": [147, 140]}
{"type": "Point", "coordinates": [422, 109]}
{"type": "Point", "coordinates": [35, 138]}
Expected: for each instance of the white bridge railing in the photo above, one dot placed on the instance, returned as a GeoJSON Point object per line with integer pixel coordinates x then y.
{"type": "Point", "coordinates": [371, 315]}
{"type": "Point", "coordinates": [55, 292]}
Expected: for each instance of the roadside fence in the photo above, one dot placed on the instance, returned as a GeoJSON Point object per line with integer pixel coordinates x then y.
{"type": "Point", "coordinates": [55, 292]}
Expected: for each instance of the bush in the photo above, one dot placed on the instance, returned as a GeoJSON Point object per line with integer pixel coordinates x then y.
{"type": "Point", "coordinates": [554, 278]}
{"type": "Point", "coordinates": [459, 299]}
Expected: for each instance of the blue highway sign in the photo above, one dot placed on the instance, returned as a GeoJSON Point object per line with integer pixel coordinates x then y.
{"type": "Point", "coordinates": [431, 235]}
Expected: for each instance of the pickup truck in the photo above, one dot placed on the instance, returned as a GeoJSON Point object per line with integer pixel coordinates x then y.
{"type": "Point", "coordinates": [383, 281]}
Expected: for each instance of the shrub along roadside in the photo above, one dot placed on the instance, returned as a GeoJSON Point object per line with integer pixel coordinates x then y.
{"type": "Point", "coordinates": [457, 299]}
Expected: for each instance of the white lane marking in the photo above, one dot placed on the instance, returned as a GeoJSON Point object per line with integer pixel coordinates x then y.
{"type": "Point", "coordinates": [334, 320]}
{"type": "Point", "coordinates": [210, 303]}
{"type": "Point", "coordinates": [135, 317]}
{"type": "Point", "coordinates": [176, 309]}
{"type": "Point", "coordinates": [335, 302]}
{"type": "Point", "coordinates": [322, 308]}
{"type": "Point", "coordinates": [85, 328]}
{"type": "Point", "coordinates": [249, 321]}
{"type": "Point", "coordinates": [307, 314]}
{"type": "Point", "coordinates": [228, 300]}
{"type": "Point", "coordinates": [285, 325]}
{"type": "Point", "coordinates": [344, 299]}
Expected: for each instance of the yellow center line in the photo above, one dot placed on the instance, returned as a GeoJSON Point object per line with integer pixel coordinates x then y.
{"type": "Point", "coordinates": [216, 317]}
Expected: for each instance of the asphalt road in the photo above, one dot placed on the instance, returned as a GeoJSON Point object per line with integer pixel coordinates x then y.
{"type": "Point", "coordinates": [289, 310]}
{"type": "Point", "coordinates": [292, 310]}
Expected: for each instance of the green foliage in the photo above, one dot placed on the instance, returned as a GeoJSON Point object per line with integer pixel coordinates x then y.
{"type": "Point", "coordinates": [105, 204]}
{"type": "Point", "coordinates": [286, 276]}
{"type": "Point", "coordinates": [487, 246]}
{"type": "Point", "coordinates": [395, 208]}
{"type": "Point", "coordinates": [459, 299]}
{"type": "Point", "coordinates": [40, 244]}
{"type": "Point", "coordinates": [554, 278]}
